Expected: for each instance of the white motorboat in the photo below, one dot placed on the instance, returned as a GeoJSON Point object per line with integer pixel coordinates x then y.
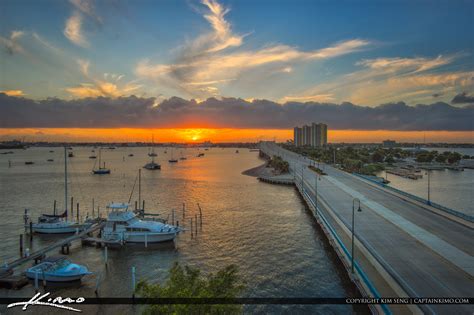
{"type": "Point", "coordinates": [124, 225]}
{"type": "Point", "coordinates": [56, 223]}
{"type": "Point", "coordinates": [57, 269]}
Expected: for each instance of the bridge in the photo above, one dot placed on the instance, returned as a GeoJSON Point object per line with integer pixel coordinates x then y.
{"type": "Point", "coordinates": [402, 247]}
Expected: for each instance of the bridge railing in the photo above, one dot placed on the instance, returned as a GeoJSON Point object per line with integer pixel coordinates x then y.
{"type": "Point", "coordinates": [422, 200]}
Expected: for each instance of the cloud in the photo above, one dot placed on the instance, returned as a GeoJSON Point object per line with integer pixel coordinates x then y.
{"type": "Point", "coordinates": [13, 92]}
{"type": "Point", "coordinates": [73, 30]}
{"type": "Point", "coordinates": [98, 87]}
{"type": "Point", "coordinates": [87, 7]}
{"type": "Point", "coordinates": [11, 43]}
{"type": "Point", "coordinates": [383, 80]}
{"type": "Point", "coordinates": [132, 111]}
{"type": "Point", "coordinates": [463, 98]}
{"type": "Point", "coordinates": [217, 57]}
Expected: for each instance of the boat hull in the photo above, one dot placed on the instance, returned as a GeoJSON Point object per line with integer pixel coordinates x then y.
{"type": "Point", "coordinates": [54, 278]}
{"type": "Point", "coordinates": [142, 237]}
{"type": "Point", "coordinates": [43, 229]}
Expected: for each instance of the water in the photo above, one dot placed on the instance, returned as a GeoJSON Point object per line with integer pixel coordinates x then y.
{"type": "Point", "coordinates": [264, 229]}
{"type": "Point", "coordinates": [452, 189]}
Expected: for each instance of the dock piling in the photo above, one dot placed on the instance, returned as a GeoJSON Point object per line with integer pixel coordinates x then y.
{"type": "Point", "coordinates": [200, 213]}
{"type": "Point", "coordinates": [146, 240]}
{"type": "Point", "coordinates": [21, 245]}
{"type": "Point", "coordinates": [191, 220]}
{"type": "Point", "coordinates": [172, 217]}
{"type": "Point", "coordinates": [196, 225]}
{"type": "Point", "coordinates": [72, 208]}
{"type": "Point", "coordinates": [133, 282]}
{"type": "Point", "coordinates": [31, 231]}
{"type": "Point", "coordinates": [54, 208]}
{"type": "Point", "coordinates": [36, 281]}
{"type": "Point", "coordinates": [77, 212]}
{"type": "Point", "coordinates": [97, 284]}
{"type": "Point", "coordinates": [106, 255]}
{"type": "Point", "coordinates": [184, 209]}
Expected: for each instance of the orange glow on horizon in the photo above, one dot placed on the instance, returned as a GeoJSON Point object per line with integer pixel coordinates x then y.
{"type": "Point", "coordinates": [196, 135]}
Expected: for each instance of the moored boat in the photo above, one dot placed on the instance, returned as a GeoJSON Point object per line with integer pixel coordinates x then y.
{"type": "Point", "coordinates": [124, 225]}
{"type": "Point", "coordinates": [57, 269]}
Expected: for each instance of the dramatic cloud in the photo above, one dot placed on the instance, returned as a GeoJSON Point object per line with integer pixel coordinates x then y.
{"type": "Point", "coordinates": [73, 30]}
{"type": "Point", "coordinates": [109, 87]}
{"type": "Point", "coordinates": [384, 80]}
{"type": "Point", "coordinates": [13, 92]}
{"type": "Point", "coordinates": [208, 59]}
{"type": "Point", "coordinates": [463, 98]}
{"type": "Point", "coordinates": [105, 112]}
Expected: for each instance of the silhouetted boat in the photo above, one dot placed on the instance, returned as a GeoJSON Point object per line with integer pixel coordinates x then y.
{"type": "Point", "coordinates": [102, 170]}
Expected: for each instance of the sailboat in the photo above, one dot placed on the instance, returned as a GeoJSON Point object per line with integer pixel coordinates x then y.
{"type": "Point", "coordinates": [182, 156]}
{"type": "Point", "coordinates": [56, 223]}
{"type": "Point", "coordinates": [101, 170]}
{"type": "Point", "coordinates": [172, 160]}
{"type": "Point", "coordinates": [152, 153]}
{"type": "Point", "coordinates": [152, 165]}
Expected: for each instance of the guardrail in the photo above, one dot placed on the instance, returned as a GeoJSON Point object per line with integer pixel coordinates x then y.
{"type": "Point", "coordinates": [359, 270]}
{"type": "Point", "coordinates": [422, 200]}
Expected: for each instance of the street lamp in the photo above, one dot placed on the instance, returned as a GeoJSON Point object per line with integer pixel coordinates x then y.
{"type": "Point", "coordinates": [316, 190]}
{"type": "Point", "coordinates": [353, 211]}
{"type": "Point", "coordinates": [429, 184]}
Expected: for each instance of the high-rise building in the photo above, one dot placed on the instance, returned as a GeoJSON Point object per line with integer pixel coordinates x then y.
{"type": "Point", "coordinates": [306, 135]}
{"type": "Point", "coordinates": [298, 137]}
{"type": "Point", "coordinates": [315, 135]}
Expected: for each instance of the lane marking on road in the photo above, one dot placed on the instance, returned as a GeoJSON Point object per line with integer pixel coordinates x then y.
{"type": "Point", "coordinates": [451, 253]}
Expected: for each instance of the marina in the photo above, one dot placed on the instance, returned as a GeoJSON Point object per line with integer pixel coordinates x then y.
{"type": "Point", "coordinates": [212, 181]}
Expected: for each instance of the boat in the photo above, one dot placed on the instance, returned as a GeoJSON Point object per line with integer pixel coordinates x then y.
{"type": "Point", "coordinates": [182, 156]}
{"type": "Point", "coordinates": [102, 170]}
{"type": "Point", "coordinates": [50, 160]}
{"type": "Point", "coordinates": [70, 154]}
{"type": "Point", "coordinates": [92, 157]}
{"type": "Point", "coordinates": [56, 223]}
{"type": "Point", "coordinates": [236, 151]}
{"type": "Point", "coordinates": [152, 153]}
{"type": "Point", "coordinates": [57, 269]}
{"type": "Point", "coordinates": [172, 160]}
{"type": "Point", "coordinates": [124, 226]}
{"type": "Point", "coordinates": [200, 155]}
{"type": "Point", "coordinates": [51, 151]}
{"type": "Point", "coordinates": [152, 165]}
{"type": "Point", "coordinates": [29, 163]}
{"type": "Point", "coordinates": [131, 154]}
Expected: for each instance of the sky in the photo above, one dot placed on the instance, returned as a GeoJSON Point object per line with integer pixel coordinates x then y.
{"type": "Point", "coordinates": [266, 66]}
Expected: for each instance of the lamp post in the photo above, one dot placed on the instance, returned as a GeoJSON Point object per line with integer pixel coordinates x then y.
{"type": "Point", "coordinates": [352, 247]}
{"type": "Point", "coordinates": [316, 191]}
{"type": "Point", "coordinates": [429, 184]}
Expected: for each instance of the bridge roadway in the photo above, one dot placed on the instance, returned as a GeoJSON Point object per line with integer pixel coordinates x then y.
{"type": "Point", "coordinates": [427, 254]}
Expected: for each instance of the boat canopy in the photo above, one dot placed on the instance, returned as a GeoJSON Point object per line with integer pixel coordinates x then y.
{"type": "Point", "coordinates": [118, 206]}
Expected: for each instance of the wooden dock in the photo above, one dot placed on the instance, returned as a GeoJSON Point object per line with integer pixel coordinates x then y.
{"type": "Point", "coordinates": [38, 255]}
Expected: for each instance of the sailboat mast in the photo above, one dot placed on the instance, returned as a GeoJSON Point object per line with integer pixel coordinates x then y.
{"type": "Point", "coordinates": [100, 150]}
{"type": "Point", "coordinates": [65, 179]}
{"type": "Point", "coordinates": [139, 187]}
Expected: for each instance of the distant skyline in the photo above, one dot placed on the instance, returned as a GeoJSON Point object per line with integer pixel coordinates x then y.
{"type": "Point", "coordinates": [56, 54]}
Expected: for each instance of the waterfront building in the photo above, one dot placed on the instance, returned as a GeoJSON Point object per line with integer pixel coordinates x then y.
{"type": "Point", "coordinates": [314, 135]}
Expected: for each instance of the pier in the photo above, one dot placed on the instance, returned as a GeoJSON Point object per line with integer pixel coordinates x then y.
{"type": "Point", "coordinates": [395, 246]}
{"type": "Point", "coordinates": [40, 254]}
